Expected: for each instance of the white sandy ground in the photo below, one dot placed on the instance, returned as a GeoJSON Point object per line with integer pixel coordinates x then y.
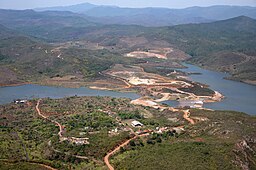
{"type": "Point", "coordinates": [139, 81]}
{"type": "Point", "coordinates": [142, 54]}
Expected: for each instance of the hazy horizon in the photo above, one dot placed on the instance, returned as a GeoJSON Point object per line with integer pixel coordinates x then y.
{"type": "Point", "coordinates": [30, 4]}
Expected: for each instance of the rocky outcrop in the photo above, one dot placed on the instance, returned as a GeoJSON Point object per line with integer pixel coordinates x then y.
{"type": "Point", "coordinates": [245, 153]}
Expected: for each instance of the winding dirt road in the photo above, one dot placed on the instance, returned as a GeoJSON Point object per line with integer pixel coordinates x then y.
{"type": "Point", "coordinates": [61, 129]}
{"type": "Point", "coordinates": [186, 116]}
{"type": "Point", "coordinates": [106, 158]}
{"type": "Point", "coordinates": [38, 110]}
{"type": "Point", "coordinates": [45, 117]}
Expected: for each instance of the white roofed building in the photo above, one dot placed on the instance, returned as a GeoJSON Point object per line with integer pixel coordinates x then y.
{"type": "Point", "coordinates": [136, 123]}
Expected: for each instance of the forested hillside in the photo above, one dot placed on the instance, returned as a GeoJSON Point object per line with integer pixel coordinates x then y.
{"type": "Point", "coordinates": [227, 45]}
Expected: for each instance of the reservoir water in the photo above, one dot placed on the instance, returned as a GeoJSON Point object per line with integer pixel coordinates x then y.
{"type": "Point", "coordinates": [238, 96]}
{"type": "Point", "coordinates": [8, 94]}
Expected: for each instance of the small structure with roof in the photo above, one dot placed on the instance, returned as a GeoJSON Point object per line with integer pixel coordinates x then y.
{"type": "Point", "coordinates": [20, 101]}
{"type": "Point", "coordinates": [136, 123]}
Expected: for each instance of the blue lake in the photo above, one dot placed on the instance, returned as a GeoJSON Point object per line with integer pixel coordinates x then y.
{"type": "Point", "coordinates": [238, 96]}
{"type": "Point", "coordinates": [8, 94]}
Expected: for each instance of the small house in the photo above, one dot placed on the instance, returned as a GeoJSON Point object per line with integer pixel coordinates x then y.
{"type": "Point", "coordinates": [20, 101]}
{"type": "Point", "coordinates": [136, 123]}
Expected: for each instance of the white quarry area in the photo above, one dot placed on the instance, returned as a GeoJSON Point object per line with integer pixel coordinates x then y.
{"type": "Point", "coordinates": [138, 81]}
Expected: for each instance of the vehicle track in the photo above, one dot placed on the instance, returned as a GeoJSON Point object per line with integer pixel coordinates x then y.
{"type": "Point", "coordinates": [106, 158]}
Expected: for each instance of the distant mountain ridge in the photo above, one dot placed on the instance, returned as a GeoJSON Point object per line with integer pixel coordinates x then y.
{"type": "Point", "coordinates": [41, 23]}
{"type": "Point", "coordinates": [156, 16]}
{"type": "Point", "coordinates": [226, 45]}
{"type": "Point", "coordinates": [73, 8]}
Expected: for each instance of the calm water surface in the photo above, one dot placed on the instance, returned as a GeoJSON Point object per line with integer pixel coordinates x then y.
{"type": "Point", "coordinates": [238, 96]}
{"type": "Point", "coordinates": [8, 94]}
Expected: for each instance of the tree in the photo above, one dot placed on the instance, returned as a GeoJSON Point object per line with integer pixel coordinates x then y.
{"type": "Point", "coordinates": [132, 143]}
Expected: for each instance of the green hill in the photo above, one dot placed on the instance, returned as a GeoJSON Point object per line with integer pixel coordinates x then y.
{"type": "Point", "coordinates": [40, 24]}
{"type": "Point", "coordinates": [23, 59]}
{"type": "Point", "coordinates": [227, 45]}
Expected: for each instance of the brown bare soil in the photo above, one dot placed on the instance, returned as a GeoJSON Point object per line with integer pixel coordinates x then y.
{"type": "Point", "coordinates": [158, 53]}
{"type": "Point", "coordinates": [253, 82]}
{"type": "Point", "coordinates": [135, 75]}
{"type": "Point", "coordinates": [161, 53]}
{"type": "Point", "coordinates": [8, 77]}
{"type": "Point", "coordinates": [106, 158]}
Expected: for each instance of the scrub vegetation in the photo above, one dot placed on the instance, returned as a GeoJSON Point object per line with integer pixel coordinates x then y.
{"type": "Point", "coordinates": [218, 138]}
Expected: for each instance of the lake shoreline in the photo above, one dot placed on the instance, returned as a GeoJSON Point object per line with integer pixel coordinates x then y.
{"type": "Point", "coordinates": [242, 100]}
{"type": "Point", "coordinates": [70, 84]}
{"type": "Point", "coordinates": [229, 77]}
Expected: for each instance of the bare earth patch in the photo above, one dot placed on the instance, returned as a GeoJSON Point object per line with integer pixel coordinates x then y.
{"type": "Point", "coordinates": [158, 53]}
{"type": "Point", "coordinates": [8, 77]}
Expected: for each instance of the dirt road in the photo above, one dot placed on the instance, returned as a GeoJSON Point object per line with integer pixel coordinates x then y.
{"type": "Point", "coordinates": [45, 117]}
{"type": "Point", "coordinates": [186, 116]}
{"type": "Point", "coordinates": [38, 110]}
{"type": "Point", "coordinates": [45, 166]}
{"type": "Point", "coordinates": [106, 158]}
